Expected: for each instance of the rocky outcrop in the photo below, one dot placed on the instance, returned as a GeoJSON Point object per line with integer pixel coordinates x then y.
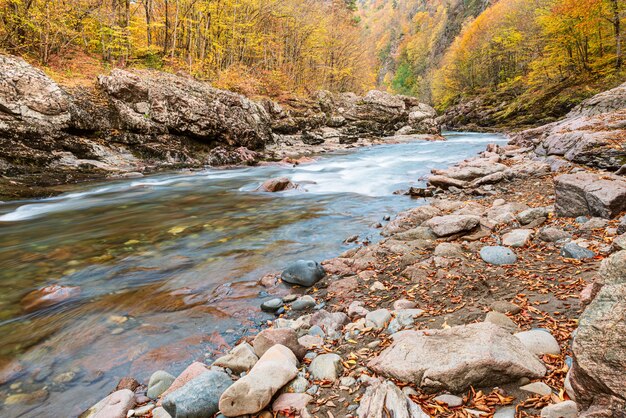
{"type": "Point", "coordinates": [329, 121]}
{"type": "Point", "coordinates": [141, 121]}
{"type": "Point", "coordinates": [593, 133]}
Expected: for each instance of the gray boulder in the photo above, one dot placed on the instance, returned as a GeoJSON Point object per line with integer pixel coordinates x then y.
{"type": "Point", "coordinates": [498, 255]}
{"type": "Point", "coordinates": [304, 273]}
{"type": "Point", "coordinates": [588, 194]}
{"type": "Point", "coordinates": [599, 367]}
{"type": "Point", "coordinates": [454, 359]}
{"type": "Point", "coordinates": [199, 398]}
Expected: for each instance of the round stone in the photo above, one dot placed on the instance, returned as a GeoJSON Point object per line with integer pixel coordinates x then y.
{"type": "Point", "coordinates": [498, 255]}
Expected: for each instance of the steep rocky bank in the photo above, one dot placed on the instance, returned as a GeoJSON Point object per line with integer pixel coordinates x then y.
{"type": "Point", "coordinates": [502, 295]}
{"type": "Point", "coordinates": [131, 123]}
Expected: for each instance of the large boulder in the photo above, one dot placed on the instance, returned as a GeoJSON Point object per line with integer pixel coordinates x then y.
{"type": "Point", "coordinates": [593, 133]}
{"type": "Point", "coordinates": [254, 391]}
{"type": "Point", "coordinates": [30, 102]}
{"type": "Point", "coordinates": [454, 359]}
{"type": "Point", "coordinates": [599, 367]}
{"type": "Point", "coordinates": [582, 194]}
{"type": "Point", "coordinates": [154, 102]}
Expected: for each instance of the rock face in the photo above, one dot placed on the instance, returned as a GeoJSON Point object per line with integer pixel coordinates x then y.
{"type": "Point", "coordinates": [597, 375]}
{"type": "Point", "coordinates": [198, 398]}
{"type": "Point", "coordinates": [254, 391]}
{"type": "Point", "coordinates": [141, 121]}
{"type": "Point", "coordinates": [591, 194]}
{"type": "Point", "coordinates": [453, 359]}
{"type": "Point", "coordinates": [592, 133]}
{"type": "Point", "coordinates": [150, 102]}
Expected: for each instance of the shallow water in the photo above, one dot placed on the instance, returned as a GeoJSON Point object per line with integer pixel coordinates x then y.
{"type": "Point", "coordinates": [168, 264]}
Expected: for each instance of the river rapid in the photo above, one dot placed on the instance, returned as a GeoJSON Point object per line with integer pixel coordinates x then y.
{"type": "Point", "coordinates": [168, 264]}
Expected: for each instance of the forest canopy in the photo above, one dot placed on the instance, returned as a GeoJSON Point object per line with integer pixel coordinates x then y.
{"type": "Point", "coordinates": [442, 51]}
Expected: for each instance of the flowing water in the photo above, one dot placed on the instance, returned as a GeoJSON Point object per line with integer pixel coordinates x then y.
{"type": "Point", "coordinates": [167, 264]}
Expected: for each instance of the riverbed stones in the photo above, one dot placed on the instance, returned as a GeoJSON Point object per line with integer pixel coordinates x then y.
{"type": "Point", "coordinates": [291, 402]}
{"type": "Point", "coordinates": [505, 307]}
{"type": "Point", "coordinates": [272, 305]}
{"type": "Point", "coordinates": [277, 184]}
{"type": "Point", "coordinates": [199, 397]}
{"type": "Point", "coordinates": [116, 405]}
{"type": "Point", "coordinates": [254, 391]}
{"type": "Point", "coordinates": [383, 398]}
{"type": "Point", "coordinates": [240, 359]}
{"type": "Point", "coordinates": [326, 367]}
{"type": "Point", "coordinates": [452, 224]}
{"type": "Point", "coordinates": [278, 336]}
{"type": "Point", "coordinates": [191, 372]}
{"type": "Point", "coordinates": [304, 273]}
{"type": "Point", "coordinates": [551, 234]}
{"type": "Point", "coordinates": [49, 296]}
{"type": "Point", "coordinates": [539, 342]}
{"type": "Point", "coordinates": [456, 358]}
{"type": "Point", "coordinates": [159, 382]}
{"type": "Point", "coordinates": [501, 320]}
{"type": "Point", "coordinates": [565, 409]}
{"type": "Point", "coordinates": [575, 251]}
{"type": "Point", "coordinates": [530, 215]}
{"type": "Point", "coordinates": [498, 255]}
{"type": "Point", "coordinates": [590, 194]}
{"type": "Point", "coordinates": [517, 238]}
{"type": "Point", "coordinates": [404, 304]}
{"type": "Point", "coordinates": [303, 303]}
{"type": "Point", "coordinates": [379, 318]}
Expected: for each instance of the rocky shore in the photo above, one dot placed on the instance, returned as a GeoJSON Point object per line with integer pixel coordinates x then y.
{"type": "Point", "coordinates": [135, 122]}
{"type": "Point", "coordinates": [501, 296]}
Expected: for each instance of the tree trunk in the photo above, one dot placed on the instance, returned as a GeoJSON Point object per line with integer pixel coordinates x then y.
{"type": "Point", "coordinates": [618, 34]}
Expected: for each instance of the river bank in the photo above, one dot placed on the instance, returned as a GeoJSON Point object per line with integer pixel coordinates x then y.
{"type": "Point", "coordinates": [131, 123]}
{"type": "Point", "coordinates": [500, 297]}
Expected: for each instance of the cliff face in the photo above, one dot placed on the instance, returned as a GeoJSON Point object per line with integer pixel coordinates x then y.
{"type": "Point", "coordinates": [142, 121]}
{"type": "Point", "coordinates": [593, 133]}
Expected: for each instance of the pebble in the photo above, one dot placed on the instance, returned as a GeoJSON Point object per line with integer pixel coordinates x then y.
{"type": "Point", "coordinates": [498, 255]}
{"type": "Point", "coordinates": [160, 412]}
{"type": "Point", "coordinates": [303, 303]}
{"type": "Point", "coordinates": [539, 342]}
{"type": "Point", "coordinates": [403, 304]}
{"type": "Point", "coordinates": [272, 305]}
{"type": "Point", "coordinates": [566, 409]}
{"type": "Point", "coordinates": [505, 307]}
{"type": "Point", "coordinates": [501, 320]}
{"type": "Point", "coordinates": [312, 390]}
{"type": "Point", "coordinates": [290, 298]}
{"type": "Point", "coordinates": [347, 381]}
{"type": "Point", "coordinates": [539, 388]}
{"type": "Point", "coordinates": [316, 330]}
{"type": "Point", "coordinates": [159, 382]}
{"type": "Point", "coordinates": [379, 318]}
{"type": "Point", "coordinates": [298, 385]}
{"type": "Point", "coordinates": [326, 367]}
{"type": "Point", "coordinates": [449, 400]}
{"type": "Point", "coordinates": [377, 286]}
